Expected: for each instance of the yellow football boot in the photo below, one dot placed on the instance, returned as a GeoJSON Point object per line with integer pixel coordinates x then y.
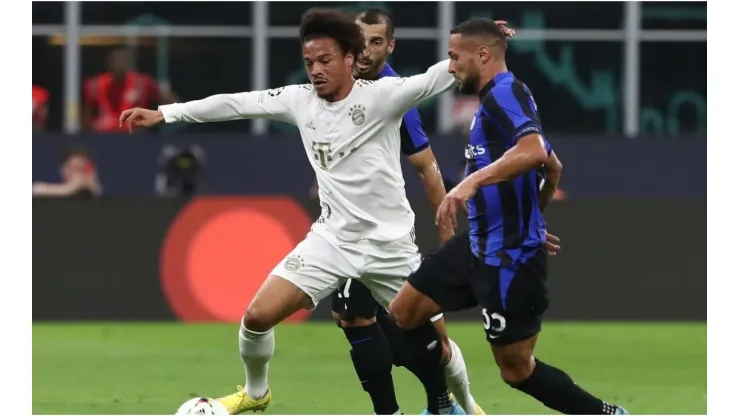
{"type": "Point", "coordinates": [478, 409]}
{"type": "Point", "coordinates": [239, 402]}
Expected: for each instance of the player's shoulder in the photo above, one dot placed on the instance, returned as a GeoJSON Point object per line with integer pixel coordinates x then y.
{"type": "Point", "coordinates": [384, 85]}
{"type": "Point", "coordinates": [506, 93]}
{"type": "Point", "coordinates": [509, 86]}
{"type": "Point", "coordinates": [374, 89]}
{"type": "Point", "coordinates": [367, 83]}
{"type": "Point", "coordinates": [290, 90]}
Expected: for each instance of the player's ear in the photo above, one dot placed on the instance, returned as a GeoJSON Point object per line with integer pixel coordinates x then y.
{"type": "Point", "coordinates": [391, 46]}
{"type": "Point", "coordinates": [349, 60]}
{"type": "Point", "coordinates": [484, 54]}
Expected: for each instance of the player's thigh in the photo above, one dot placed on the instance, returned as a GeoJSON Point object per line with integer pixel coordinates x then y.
{"type": "Point", "coordinates": [352, 302]}
{"type": "Point", "coordinates": [442, 276]}
{"type": "Point", "coordinates": [276, 300]}
{"type": "Point", "coordinates": [438, 283]}
{"type": "Point", "coordinates": [513, 298]}
{"type": "Point", "coordinates": [316, 266]}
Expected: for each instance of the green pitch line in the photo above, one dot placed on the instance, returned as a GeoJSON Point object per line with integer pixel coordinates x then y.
{"type": "Point", "coordinates": [132, 368]}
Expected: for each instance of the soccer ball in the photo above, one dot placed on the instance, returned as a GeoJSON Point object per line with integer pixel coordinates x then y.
{"type": "Point", "coordinates": [202, 406]}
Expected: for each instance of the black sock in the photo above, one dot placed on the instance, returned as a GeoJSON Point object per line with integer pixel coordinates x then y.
{"type": "Point", "coordinates": [373, 360]}
{"type": "Point", "coordinates": [556, 390]}
{"type": "Point", "coordinates": [394, 335]}
{"type": "Point", "coordinates": [425, 361]}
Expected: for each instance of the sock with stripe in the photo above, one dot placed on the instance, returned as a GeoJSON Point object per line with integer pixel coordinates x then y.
{"type": "Point", "coordinates": [373, 361]}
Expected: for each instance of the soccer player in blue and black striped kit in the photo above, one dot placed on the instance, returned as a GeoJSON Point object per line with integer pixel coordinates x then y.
{"type": "Point", "coordinates": [500, 263]}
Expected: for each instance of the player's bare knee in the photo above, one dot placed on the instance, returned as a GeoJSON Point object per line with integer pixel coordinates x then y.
{"type": "Point", "coordinates": [356, 322]}
{"type": "Point", "coordinates": [255, 319]}
{"type": "Point", "coordinates": [515, 366]}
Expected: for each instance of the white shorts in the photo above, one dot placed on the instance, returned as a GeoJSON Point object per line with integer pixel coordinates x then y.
{"type": "Point", "coordinates": [321, 262]}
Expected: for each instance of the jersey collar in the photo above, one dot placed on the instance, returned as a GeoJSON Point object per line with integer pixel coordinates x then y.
{"type": "Point", "coordinates": [498, 78]}
{"type": "Point", "coordinates": [387, 71]}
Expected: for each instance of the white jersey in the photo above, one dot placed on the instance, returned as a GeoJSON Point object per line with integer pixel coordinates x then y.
{"type": "Point", "coordinates": [353, 144]}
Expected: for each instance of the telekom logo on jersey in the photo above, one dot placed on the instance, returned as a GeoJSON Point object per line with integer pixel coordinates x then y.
{"type": "Point", "coordinates": [218, 251]}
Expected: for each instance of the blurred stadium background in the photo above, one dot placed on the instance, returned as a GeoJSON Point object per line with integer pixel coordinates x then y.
{"type": "Point", "coordinates": [140, 274]}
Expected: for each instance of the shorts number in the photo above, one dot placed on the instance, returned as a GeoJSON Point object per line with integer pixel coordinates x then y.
{"type": "Point", "coordinates": [345, 293]}
{"type": "Point", "coordinates": [493, 323]}
{"type": "Point", "coordinates": [322, 153]}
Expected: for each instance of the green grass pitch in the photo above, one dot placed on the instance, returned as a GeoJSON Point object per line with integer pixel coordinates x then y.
{"type": "Point", "coordinates": [134, 368]}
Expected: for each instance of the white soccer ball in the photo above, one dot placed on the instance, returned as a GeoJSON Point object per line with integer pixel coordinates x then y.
{"type": "Point", "coordinates": [202, 406]}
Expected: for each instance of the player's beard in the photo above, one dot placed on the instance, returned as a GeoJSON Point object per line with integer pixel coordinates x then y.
{"type": "Point", "coordinates": [470, 84]}
{"type": "Point", "coordinates": [371, 70]}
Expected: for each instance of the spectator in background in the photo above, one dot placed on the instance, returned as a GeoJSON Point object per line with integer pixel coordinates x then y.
{"type": "Point", "coordinates": [107, 95]}
{"type": "Point", "coordinates": [180, 171]}
{"type": "Point", "coordinates": [79, 178]}
{"type": "Point", "coordinates": [40, 110]}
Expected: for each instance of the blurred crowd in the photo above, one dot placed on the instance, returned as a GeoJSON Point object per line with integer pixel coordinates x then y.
{"type": "Point", "coordinates": [106, 94]}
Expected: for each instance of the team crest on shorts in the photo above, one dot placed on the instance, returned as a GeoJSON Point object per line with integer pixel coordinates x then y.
{"type": "Point", "coordinates": [293, 263]}
{"type": "Point", "coordinates": [357, 112]}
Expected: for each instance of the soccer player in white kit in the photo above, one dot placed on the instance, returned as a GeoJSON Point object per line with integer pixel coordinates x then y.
{"type": "Point", "coordinates": [350, 131]}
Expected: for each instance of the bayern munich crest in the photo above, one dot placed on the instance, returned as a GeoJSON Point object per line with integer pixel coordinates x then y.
{"type": "Point", "coordinates": [357, 112]}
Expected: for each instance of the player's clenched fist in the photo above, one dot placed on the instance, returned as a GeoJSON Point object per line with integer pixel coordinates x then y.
{"type": "Point", "coordinates": [509, 32]}
{"type": "Point", "coordinates": [457, 197]}
{"type": "Point", "coordinates": [140, 117]}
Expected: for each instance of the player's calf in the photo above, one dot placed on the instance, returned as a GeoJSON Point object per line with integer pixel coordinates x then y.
{"type": "Point", "coordinates": [551, 386]}
{"type": "Point", "coordinates": [412, 311]}
{"type": "Point", "coordinates": [515, 361]}
{"type": "Point", "coordinates": [276, 300]}
{"type": "Point", "coordinates": [354, 310]}
{"type": "Point", "coordinates": [372, 358]}
{"type": "Point", "coordinates": [455, 370]}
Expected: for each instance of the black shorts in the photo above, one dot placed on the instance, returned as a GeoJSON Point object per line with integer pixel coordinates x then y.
{"type": "Point", "coordinates": [512, 298]}
{"type": "Point", "coordinates": [354, 300]}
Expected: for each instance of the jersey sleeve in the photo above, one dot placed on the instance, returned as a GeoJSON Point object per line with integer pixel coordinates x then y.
{"type": "Point", "coordinates": [512, 106]}
{"type": "Point", "coordinates": [275, 104]}
{"type": "Point", "coordinates": [548, 146]}
{"type": "Point", "coordinates": [401, 94]}
{"type": "Point", "coordinates": [413, 137]}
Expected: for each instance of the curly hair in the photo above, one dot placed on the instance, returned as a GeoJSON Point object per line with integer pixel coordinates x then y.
{"type": "Point", "coordinates": [335, 24]}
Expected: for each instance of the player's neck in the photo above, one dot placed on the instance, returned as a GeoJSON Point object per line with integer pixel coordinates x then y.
{"type": "Point", "coordinates": [489, 73]}
{"type": "Point", "coordinates": [376, 73]}
{"type": "Point", "coordinates": [342, 92]}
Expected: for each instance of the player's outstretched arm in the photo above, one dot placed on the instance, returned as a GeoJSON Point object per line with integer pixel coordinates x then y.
{"type": "Point", "coordinates": [401, 94]}
{"type": "Point", "coordinates": [272, 104]}
{"type": "Point", "coordinates": [276, 104]}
